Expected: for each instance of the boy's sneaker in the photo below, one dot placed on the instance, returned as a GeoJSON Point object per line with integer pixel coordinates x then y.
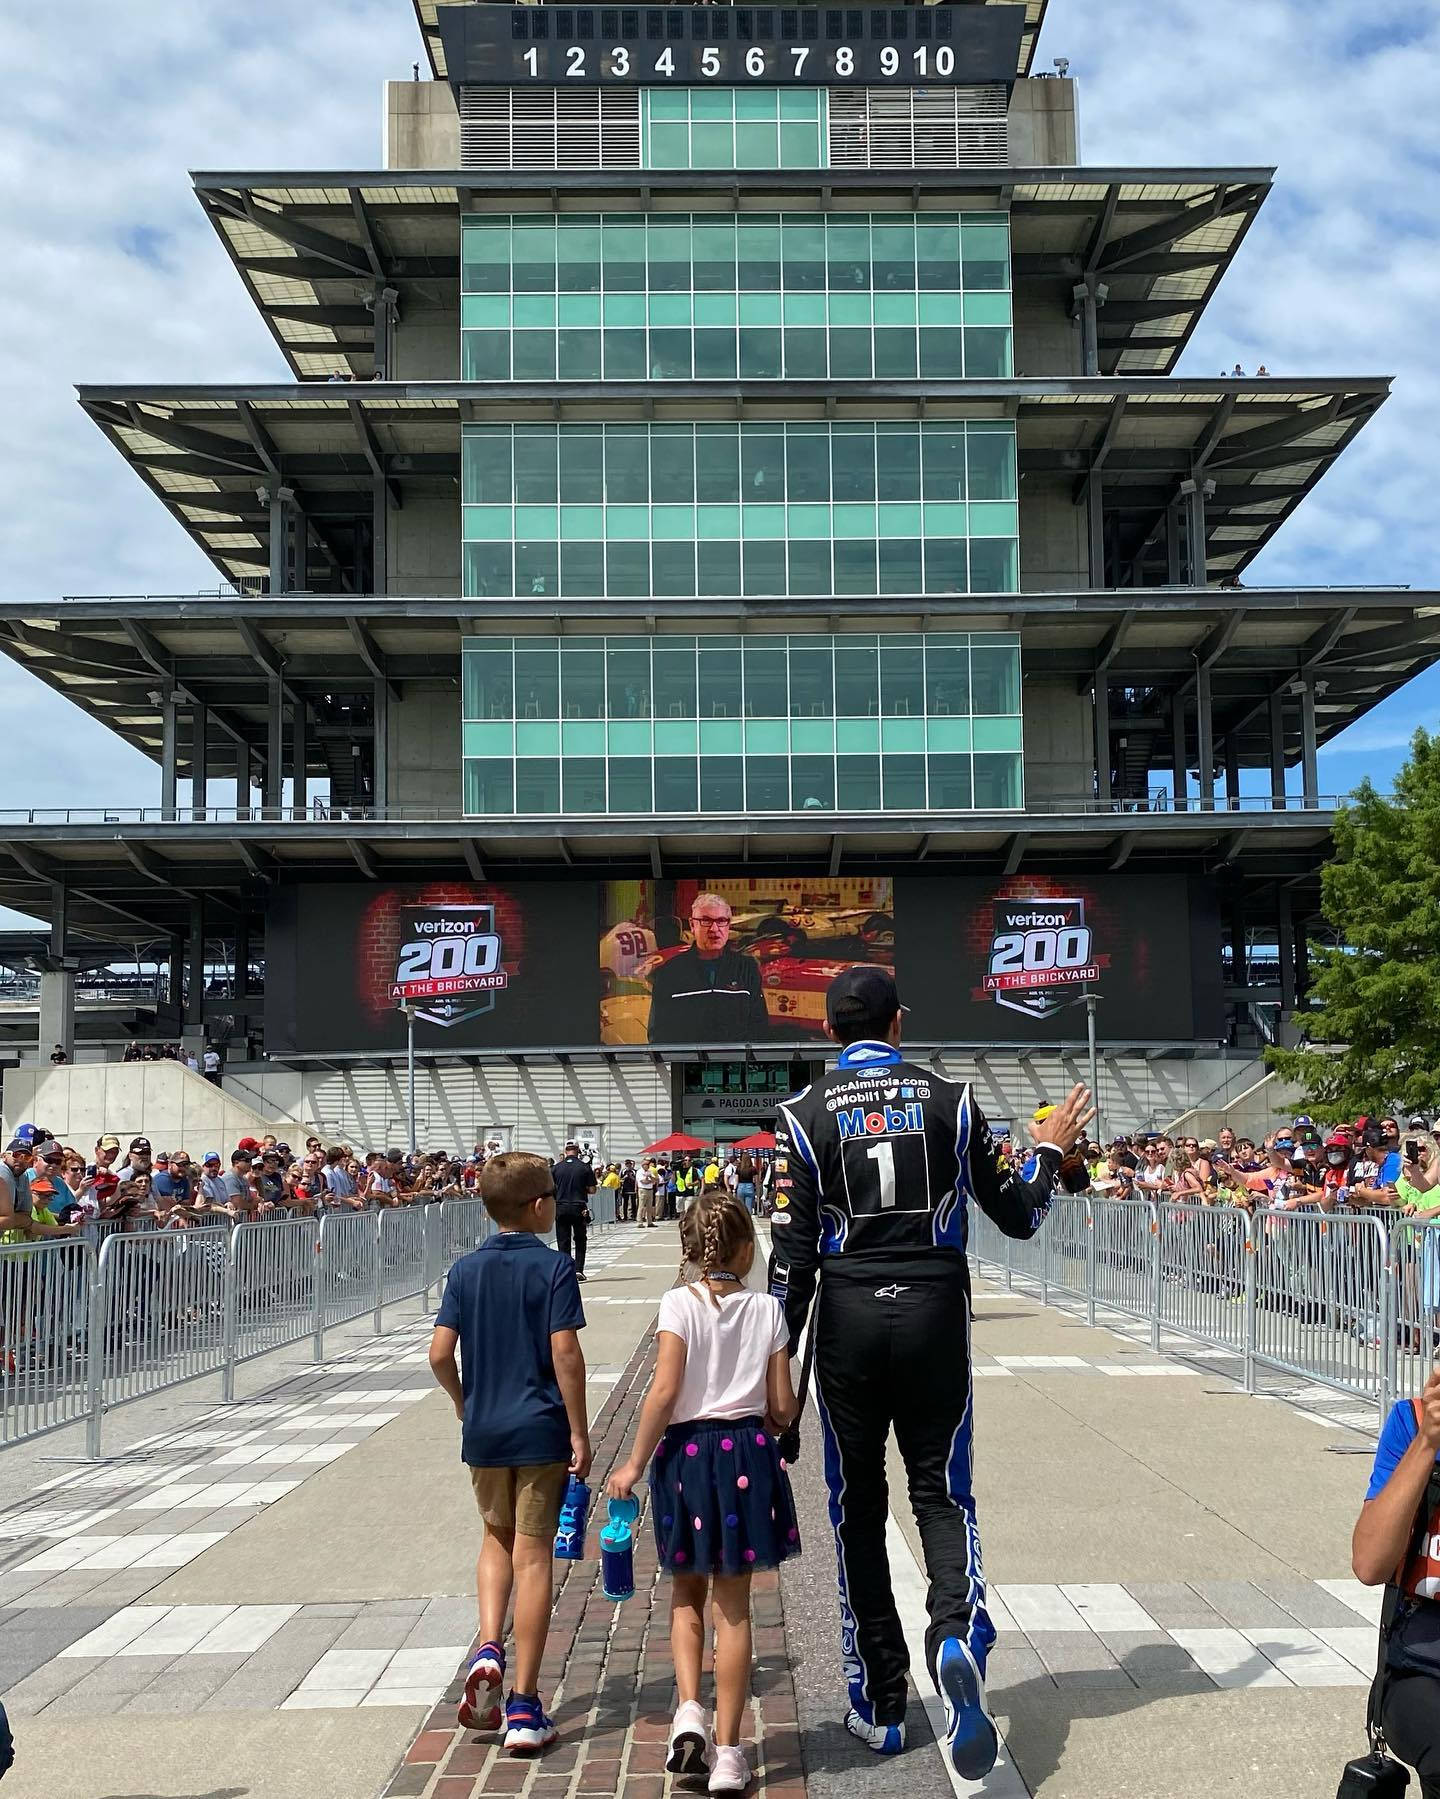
{"type": "Point", "coordinates": [730, 1772]}
{"type": "Point", "coordinates": [884, 1739]}
{"type": "Point", "coordinates": [970, 1734]}
{"type": "Point", "coordinates": [480, 1708]}
{"type": "Point", "coordinates": [527, 1729]}
{"type": "Point", "coordinates": [691, 1751]}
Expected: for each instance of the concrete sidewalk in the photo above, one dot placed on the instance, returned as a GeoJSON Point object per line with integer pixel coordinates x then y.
{"type": "Point", "coordinates": [1168, 1558]}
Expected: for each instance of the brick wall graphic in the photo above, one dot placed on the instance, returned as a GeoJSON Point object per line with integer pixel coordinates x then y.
{"type": "Point", "coordinates": [381, 932]}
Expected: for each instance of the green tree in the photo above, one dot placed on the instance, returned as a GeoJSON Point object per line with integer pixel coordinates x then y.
{"type": "Point", "coordinates": [1371, 1043]}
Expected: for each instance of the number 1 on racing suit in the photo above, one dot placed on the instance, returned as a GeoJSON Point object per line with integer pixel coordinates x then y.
{"type": "Point", "coordinates": [877, 1165]}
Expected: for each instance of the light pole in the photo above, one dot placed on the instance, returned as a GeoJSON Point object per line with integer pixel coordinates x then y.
{"type": "Point", "coordinates": [1092, 1000]}
{"type": "Point", "coordinates": [409, 1012]}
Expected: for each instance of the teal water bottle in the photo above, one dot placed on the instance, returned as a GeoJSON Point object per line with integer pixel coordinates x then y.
{"type": "Point", "coordinates": [617, 1545]}
{"type": "Point", "coordinates": [574, 1510]}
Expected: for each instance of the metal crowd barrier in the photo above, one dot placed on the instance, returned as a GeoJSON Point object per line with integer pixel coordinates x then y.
{"type": "Point", "coordinates": [1349, 1301]}
{"type": "Point", "coordinates": [112, 1315]}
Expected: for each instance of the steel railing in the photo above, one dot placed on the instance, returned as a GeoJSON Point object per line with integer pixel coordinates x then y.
{"type": "Point", "coordinates": [1346, 1301]}
{"type": "Point", "coordinates": [127, 1309]}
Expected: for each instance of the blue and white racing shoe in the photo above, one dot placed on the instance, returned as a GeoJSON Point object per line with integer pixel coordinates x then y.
{"type": "Point", "coordinates": [971, 1738]}
{"type": "Point", "coordinates": [884, 1739]}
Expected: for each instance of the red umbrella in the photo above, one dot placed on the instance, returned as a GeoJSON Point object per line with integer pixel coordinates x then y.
{"type": "Point", "coordinates": [756, 1140]}
{"type": "Point", "coordinates": [674, 1144]}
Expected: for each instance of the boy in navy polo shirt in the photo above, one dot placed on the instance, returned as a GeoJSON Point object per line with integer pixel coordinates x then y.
{"type": "Point", "coordinates": [513, 1309]}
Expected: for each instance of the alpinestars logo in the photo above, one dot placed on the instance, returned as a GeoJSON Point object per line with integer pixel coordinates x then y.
{"type": "Point", "coordinates": [449, 959]}
{"type": "Point", "coordinates": [1041, 951]}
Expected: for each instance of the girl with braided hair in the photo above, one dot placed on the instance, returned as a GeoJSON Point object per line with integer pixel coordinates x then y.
{"type": "Point", "coordinates": [720, 1498]}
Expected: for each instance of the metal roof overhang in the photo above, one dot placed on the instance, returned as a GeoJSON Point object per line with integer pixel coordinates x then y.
{"type": "Point", "coordinates": [425, 11]}
{"type": "Point", "coordinates": [207, 451]}
{"type": "Point", "coordinates": [113, 655]}
{"type": "Point", "coordinates": [126, 875]}
{"type": "Point", "coordinates": [313, 248]}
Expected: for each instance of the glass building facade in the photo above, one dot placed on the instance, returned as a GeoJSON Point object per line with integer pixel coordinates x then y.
{"type": "Point", "coordinates": [714, 724]}
{"type": "Point", "coordinates": [763, 297]}
{"type": "Point", "coordinates": [725, 510]}
{"type": "Point", "coordinates": [733, 128]}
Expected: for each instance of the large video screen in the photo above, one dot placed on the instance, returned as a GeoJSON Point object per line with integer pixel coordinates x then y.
{"type": "Point", "coordinates": [723, 960]}
{"type": "Point", "coordinates": [481, 966]}
{"type": "Point", "coordinates": [1012, 961]}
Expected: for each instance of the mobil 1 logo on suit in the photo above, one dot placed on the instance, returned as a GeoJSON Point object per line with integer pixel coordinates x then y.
{"type": "Point", "coordinates": [881, 1127]}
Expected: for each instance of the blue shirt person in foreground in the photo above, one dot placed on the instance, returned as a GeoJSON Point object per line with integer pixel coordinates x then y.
{"type": "Point", "coordinates": [1389, 1546]}
{"type": "Point", "coordinates": [512, 1309]}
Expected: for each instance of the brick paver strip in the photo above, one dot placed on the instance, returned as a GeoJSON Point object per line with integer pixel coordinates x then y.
{"type": "Point", "coordinates": [608, 1672]}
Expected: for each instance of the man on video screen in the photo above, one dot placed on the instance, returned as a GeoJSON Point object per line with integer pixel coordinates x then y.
{"type": "Point", "coordinates": [709, 993]}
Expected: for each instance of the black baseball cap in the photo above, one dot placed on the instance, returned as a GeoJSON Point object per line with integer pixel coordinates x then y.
{"type": "Point", "coordinates": [861, 998]}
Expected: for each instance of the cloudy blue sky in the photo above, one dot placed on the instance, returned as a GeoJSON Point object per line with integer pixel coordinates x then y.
{"type": "Point", "coordinates": [115, 276]}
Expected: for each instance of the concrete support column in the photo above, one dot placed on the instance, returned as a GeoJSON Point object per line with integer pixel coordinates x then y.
{"type": "Point", "coordinates": [1174, 571]}
{"type": "Point", "coordinates": [380, 537]}
{"type": "Point", "coordinates": [169, 755]}
{"type": "Point", "coordinates": [242, 781]}
{"type": "Point", "coordinates": [1087, 299]}
{"type": "Point", "coordinates": [1179, 753]}
{"type": "Point", "coordinates": [1309, 750]}
{"type": "Point", "coordinates": [281, 504]}
{"type": "Point", "coordinates": [57, 1013]}
{"type": "Point", "coordinates": [1103, 789]}
{"type": "Point", "coordinates": [383, 304]}
{"type": "Point", "coordinates": [1205, 738]}
{"type": "Point", "coordinates": [199, 757]}
{"type": "Point", "coordinates": [273, 790]}
{"type": "Point", "coordinates": [380, 797]}
{"type": "Point", "coordinates": [1197, 530]}
{"type": "Point", "coordinates": [194, 1015]}
{"type": "Point", "coordinates": [300, 748]}
{"type": "Point", "coordinates": [1095, 518]}
{"type": "Point", "coordinates": [1286, 935]}
{"type": "Point", "coordinates": [1231, 751]}
{"type": "Point", "coordinates": [1277, 750]}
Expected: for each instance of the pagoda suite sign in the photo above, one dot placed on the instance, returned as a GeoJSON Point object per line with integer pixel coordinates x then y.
{"type": "Point", "coordinates": [731, 46]}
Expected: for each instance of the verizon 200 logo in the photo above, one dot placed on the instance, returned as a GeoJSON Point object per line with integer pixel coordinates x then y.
{"type": "Point", "coordinates": [1038, 949]}
{"type": "Point", "coordinates": [449, 965]}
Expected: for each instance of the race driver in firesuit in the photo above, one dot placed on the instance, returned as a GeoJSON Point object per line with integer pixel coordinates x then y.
{"type": "Point", "coordinates": [876, 1166]}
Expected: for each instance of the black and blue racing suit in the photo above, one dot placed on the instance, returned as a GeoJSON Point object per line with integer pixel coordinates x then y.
{"type": "Point", "coordinates": [876, 1167]}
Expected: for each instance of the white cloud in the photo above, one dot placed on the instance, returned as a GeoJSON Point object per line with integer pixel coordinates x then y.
{"type": "Point", "coordinates": [115, 276]}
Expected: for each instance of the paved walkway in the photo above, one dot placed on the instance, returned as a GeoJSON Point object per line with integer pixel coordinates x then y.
{"type": "Point", "coordinates": [274, 1597]}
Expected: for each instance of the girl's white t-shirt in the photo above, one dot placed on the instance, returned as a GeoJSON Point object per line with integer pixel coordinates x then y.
{"type": "Point", "coordinates": [726, 1351]}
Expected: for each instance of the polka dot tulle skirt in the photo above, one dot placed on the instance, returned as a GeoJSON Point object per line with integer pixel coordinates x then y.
{"type": "Point", "coordinates": [720, 1499]}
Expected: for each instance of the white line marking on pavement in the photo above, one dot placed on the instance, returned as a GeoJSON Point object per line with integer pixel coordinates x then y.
{"type": "Point", "coordinates": [1303, 1658]}
{"type": "Point", "coordinates": [1040, 1608]}
{"type": "Point", "coordinates": [1108, 1607]}
{"type": "Point", "coordinates": [1367, 1601]}
{"type": "Point", "coordinates": [248, 1628]}
{"type": "Point", "coordinates": [1355, 1643]}
{"type": "Point", "coordinates": [179, 1630]}
{"type": "Point", "coordinates": [908, 1585]}
{"type": "Point", "coordinates": [1230, 1658]}
{"type": "Point", "coordinates": [111, 1637]}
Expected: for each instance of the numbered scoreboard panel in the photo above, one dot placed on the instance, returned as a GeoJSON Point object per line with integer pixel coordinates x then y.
{"type": "Point", "coordinates": [732, 46]}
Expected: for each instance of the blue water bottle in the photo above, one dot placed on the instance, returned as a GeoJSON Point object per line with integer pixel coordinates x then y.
{"type": "Point", "coordinates": [574, 1510]}
{"type": "Point", "coordinates": [617, 1543]}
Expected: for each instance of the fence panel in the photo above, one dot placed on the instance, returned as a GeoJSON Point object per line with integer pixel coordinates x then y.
{"type": "Point", "coordinates": [161, 1309]}
{"type": "Point", "coordinates": [1205, 1266]}
{"type": "Point", "coordinates": [1323, 1301]}
{"type": "Point", "coordinates": [347, 1266]}
{"type": "Point", "coordinates": [1066, 1238]}
{"type": "Point", "coordinates": [1125, 1235]}
{"type": "Point", "coordinates": [402, 1253]}
{"type": "Point", "coordinates": [455, 1227]}
{"type": "Point", "coordinates": [1415, 1284]}
{"type": "Point", "coordinates": [276, 1265]}
{"type": "Point", "coordinates": [44, 1336]}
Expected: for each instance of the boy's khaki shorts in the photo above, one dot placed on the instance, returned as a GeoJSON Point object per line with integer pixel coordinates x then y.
{"type": "Point", "coordinates": [526, 1500]}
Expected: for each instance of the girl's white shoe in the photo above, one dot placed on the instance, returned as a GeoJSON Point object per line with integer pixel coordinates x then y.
{"type": "Point", "coordinates": [729, 1772]}
{"type": "Point", "coordinates": [691, 1751]}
